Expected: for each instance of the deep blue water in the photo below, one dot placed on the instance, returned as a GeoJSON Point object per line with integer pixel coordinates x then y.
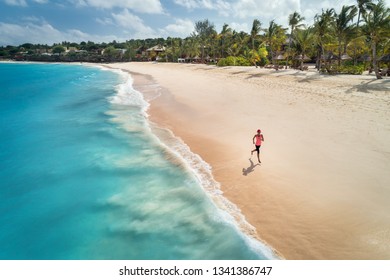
{"type": "Point", "coordinates": [83, 177]}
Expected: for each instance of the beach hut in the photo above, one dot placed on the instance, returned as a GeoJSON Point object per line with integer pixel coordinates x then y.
{"type": "Point", "coordinates": [278, 58]}
{"type": "Point", "coordinates": [155, 52]}
{"type": "Point", "coordinates": [156, 49]}
{"type": "Point", "coordinates": [301, 58]}
{"type": "Point", "coordinates": [209, 59]}
{"type": "Point", "coordinates": [196, 59]}
{"type": "Point", "coordinates": [328, 59]}
{"type": "Point", "coordinates": [330, 56]}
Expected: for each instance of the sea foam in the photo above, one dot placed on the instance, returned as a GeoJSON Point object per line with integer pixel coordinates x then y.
{"type": "Point", "coordinates": [88, 176]}
{"type": "Point", "coordinates": [181, 154]}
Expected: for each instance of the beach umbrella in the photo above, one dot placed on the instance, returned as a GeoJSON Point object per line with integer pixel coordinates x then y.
{"type": "Point", "coordinates": [279, 57]}
{"type": "Point", "coordinates": [345, 57]}
{"type": "Point", "coordinates": [329, 56]}
{"type": "Point", "coordinates": [301, 57]}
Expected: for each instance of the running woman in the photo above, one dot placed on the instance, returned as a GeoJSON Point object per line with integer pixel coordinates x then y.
{"type": "Point", "coordinates": [259, 138]}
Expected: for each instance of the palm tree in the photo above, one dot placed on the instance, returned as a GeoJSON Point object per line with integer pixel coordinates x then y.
{"type": "Point", "coordinates": [173, 50]}
{"type": "Point", "coordinates": [303, 41]}
{"type": "Point", "coordinates": [191, 47]}
{"type": "Point", "coordinates": [256, 28]}
{"type": "Point", "coordinates": [342, 27]}
{"type": "Point", "coordinates": [322, 24]}
{"type": "Point", "coordinates": [274, 35]}
{"type": "Point", "coordinates": [239, 42]}
{"type": "Point", "coordinates": [225, 34]}
{"type": "Point", "coordinates": [294, 21]}
{"type": "Point", "coordinates": [376, 28]}
{"type": "Point", "coordinates": [204, 30]}
{"type": "Point", "coordinates": [363, 6]}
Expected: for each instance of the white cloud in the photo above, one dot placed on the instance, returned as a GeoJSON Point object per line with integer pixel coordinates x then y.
{"type": "Point", "coordinates": [141, 6]}
{"type": "Point", "coordinates": [77, 3]}
{"type": "Point", "coordinates": [221, 6]}
{"type": "Point", "coordinates": [240, 26]}
{"type": "Point", "coordinates": [31, 19]}
{"type": "Point", "coordinates": [134, 24]}
{"type": "Point", "coordinates": [266, 10]}
{"type": "Point", "coordinates": [44, 33]}
{"type": "Point", "coordinates": [180, 28]}
{"type": "Point", "coordinates": [74, 35]}
{"type": "Point", "coordinates": [11, 34]}
{"type": "Point", "coordinates": [105, 21]}
{"type": "Point", "coordinates": [310, 9]}
{"type": "Point", "coordinates": [127, 18]}
{"type": "Point", "coordinates": [189, 4]}
{"type": "Point", "coordinates": [21, 3]}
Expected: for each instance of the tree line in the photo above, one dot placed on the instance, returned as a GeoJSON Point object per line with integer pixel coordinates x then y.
{"type": "Point", "coordinates": [350, 39]}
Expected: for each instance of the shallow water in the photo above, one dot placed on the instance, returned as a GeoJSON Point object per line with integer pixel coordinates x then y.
{"type": "Point", "coordinates": [82, 176]}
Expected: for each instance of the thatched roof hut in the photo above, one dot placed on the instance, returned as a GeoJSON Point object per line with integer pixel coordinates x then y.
{"type": "Point", "coordinates": [345, 57]}
{"type": "Point", "coordinates": [279, 57]}
{"type": "Point", "coordinates": [329, 56]}
{"type": "Point", "coordinates": [301, 57]}
{"type": "Point", "coordinates": [157, 49]}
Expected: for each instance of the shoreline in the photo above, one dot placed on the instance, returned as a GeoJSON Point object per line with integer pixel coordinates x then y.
{"type": "Point", "coordinates": [199, 168]}
{"type": "Point", "coordinates": [299, 204]}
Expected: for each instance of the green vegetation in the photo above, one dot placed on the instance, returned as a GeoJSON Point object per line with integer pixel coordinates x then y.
{"type": "Point", "coordinates": [234, 61]}
{"type": "Point", "coordinates": [347, 41]}
{"type": "Point", "coordinates": [58, 49]}
{"type": "Point", "coordinates": [344, 69]}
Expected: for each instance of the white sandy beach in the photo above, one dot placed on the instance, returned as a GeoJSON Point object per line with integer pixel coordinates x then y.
{"type": "Point", "coordinates": [323, 188]}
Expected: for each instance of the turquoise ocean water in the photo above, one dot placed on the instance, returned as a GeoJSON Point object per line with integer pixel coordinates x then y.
{"type": "Point", "coordinates": [83, 176]}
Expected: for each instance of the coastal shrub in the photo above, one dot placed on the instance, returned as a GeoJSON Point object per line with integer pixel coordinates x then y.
{"type": "Point", "coordinates": [222, 62]}
{"type": "Point", "coordinates": [241, 61]}
{"type": "Point", "coordinates": [253, 57]}
{"type": "Point", "coordinates": [234, 61]}
{"type": "Point", "coordinates": [354, 70]}
{"type": "Point", "coordinates": [263, 61]}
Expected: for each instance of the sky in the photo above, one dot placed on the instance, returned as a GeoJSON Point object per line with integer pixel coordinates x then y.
{"type": "Point", "coordinates": [53, 21]}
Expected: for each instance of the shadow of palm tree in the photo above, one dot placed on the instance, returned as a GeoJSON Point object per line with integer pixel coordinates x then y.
{"type": "Point", "coordinates": [371, 86]}
{"type": "Point", "coordinates": [252, 76]}
{"type": "Point", "coordinates": [239, 72]}
{"type": "Point", "coordinates": [251, 168]}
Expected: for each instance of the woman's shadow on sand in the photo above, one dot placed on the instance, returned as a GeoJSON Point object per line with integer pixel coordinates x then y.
{"type": "Point", "coordinates": [251, 168]}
